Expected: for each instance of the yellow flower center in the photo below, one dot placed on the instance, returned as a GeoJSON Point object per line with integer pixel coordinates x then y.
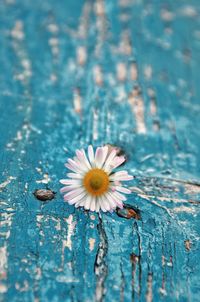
{"type": "Point", "coordinates": [96, 182]}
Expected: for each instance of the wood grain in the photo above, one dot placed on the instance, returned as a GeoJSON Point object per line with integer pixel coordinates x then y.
{"type": "Point", "coordinates": [124, 73]}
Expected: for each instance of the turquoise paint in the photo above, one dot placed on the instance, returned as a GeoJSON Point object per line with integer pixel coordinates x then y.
{"type": "Point", "coordinates": [109, 258]}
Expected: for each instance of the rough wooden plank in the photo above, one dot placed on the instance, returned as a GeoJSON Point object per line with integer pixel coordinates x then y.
{"type": "Point", "coordinates": [117, 72]}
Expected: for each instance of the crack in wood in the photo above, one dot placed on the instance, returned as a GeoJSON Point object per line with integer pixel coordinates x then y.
{"type": "Point", "coordinates": [100, 266]}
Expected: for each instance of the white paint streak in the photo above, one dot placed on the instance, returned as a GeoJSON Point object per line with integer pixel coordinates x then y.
{"type": "Point", "coordinates": [137, 106]}
{"type": "Point", "coordinates": [91, 244]}
{"type": "Point", "coordinates": [54, 45]}
{"type": "Point", "coordinates": [121, 71]}
{"type": "Point", "coordinates": [161, 198]}
{"type": "Point", "coordinates": [84, 21]}
{"type": "Point", "coordinates": [71, 227]}
{"type": "Point", "coordinates": [133, 72]}
{"type": "Point", "coordinates": [6, 182]}
{"type": "Point", "coordinates": [185, 209]}
{"type": "Point", "coordinates": [188, 11]}
{"type": "Point", "coordinates": [148, 72]}
{"type": "Point", "coordinates": [81, 55]}
{"type": "Point", "coordinates": [191, 189]}
{"type": "Point", "coordinates": [17, 31]}
{"type": "Point", "coordinates": [100, 26]}
{"type": "Point", "coordinates": [149, 295]}
{"type": "Point", "coordinates": [77, 101]}
{"type": "Point", "coordinates": [98, 76]}
{"type": "Point", "coordinates": [95, 125]}
{"type": "Point", "coordinates": [166, 15]}
{"type": "Point", "coordinates": [6, 220]}
{"type": "Point", "coordinates": [125, 46]}
{"type": "Point", "coordinates": [53, 28]}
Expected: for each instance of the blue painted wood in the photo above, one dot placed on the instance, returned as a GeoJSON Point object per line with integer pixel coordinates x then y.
{"type": "Point", "coordinates": [101, 72]}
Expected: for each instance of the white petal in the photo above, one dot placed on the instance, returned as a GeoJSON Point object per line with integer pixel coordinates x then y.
{"type": "Point", "coordinates": [100, 156]}
{"type": "Point", "coordinates": [70, 182]}
{"type": "Point", "coordinates": [74, 193]}
{"type": "Point", "coordinates": [81, 164]}
{"type": "Point", "coordinates": [97, 205]}
{"type": "Point", "coordinates": [110, 200]}
{"type": "Point", "coordinates": [75, 165]}
{"type": "Point", "coordinates": [70, 167]}
{"type": "Point", "coordinates": [122, 189]}
{"type": "Point", "coordinates": [93, 204]}
{"type": "Point", "coordinates": [88, 202]}
{"type": "Point", "coordinates": [119, 195]}
{"type": "Point", "coordinates": [109, 160]}
{"type": "Point", "coordinates": [121, 175]}
{"type": "Point", "coordinates": [118, 160]}
{"type": "Point", "coordinates": [80, 203]}
{"type": "Point", "coordinates": [75, 175]}
{"type": "Point", "coordinates": [77, 198]}
{"type": "Point", "coordinates": [86, 159]}
{"type": "Point", "coordinates": [83, 158]}
{"type": "Point", "coordinates": [104, 203]}
{"type": "Point", "coordinates": [124, 178]}
{"type": "Point", "coordinates": [115, 200]}
{"type": "Point", "coordinates": [91, 154]}
{"type": "Point", "coordinates": [69, 188]}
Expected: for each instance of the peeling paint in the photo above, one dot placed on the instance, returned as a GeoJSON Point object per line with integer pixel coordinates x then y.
{"type": "Point", "coordinates": [71, 226]}
{"type": "Point", "coordinates": [6, 182]}
{"type": "Point", "coordinates": [122, 73]}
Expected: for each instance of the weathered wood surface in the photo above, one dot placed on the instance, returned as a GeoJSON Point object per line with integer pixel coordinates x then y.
{"type": "Point", "coordinates": [120, 72]}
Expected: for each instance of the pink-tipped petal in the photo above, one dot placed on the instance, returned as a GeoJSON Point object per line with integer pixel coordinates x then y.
{"type": "Point", "coordinates": [75, 165]}
{"type": "Point", "coordinates": [117, 201]}
{"type": "Point", "coordinates": [86, 159]}
{"type": "Point", "coordinates": [121, 176]}
{"type": "Point", "coordinates": [121, 205]}
{"type": "Point", "coordinates": [81, 164]}
{"type": "Point", "coordinates": [118, 161]}
{"type": "Point", "coordinates": [70, 167]}
{"type": "Point", "coordinates": [69, 188]}
{"type": "Point", "coordinates": [91, 155]}
{"type": "Point", "coordinates": [110, 200]}
{"type": "Point", "coordinates": [123, 190]}
{"type": "Point", "coordinates": [119, 196]}
{"type": "Point", "coordinates": [74, 193]}
{"type": "Point", "coordinates": [82, 158]}
{"type": "Point", "coordinates": [77, 198]}
{"type": "Point", "coordinates": [70, 182]}
{"type": "Point", "coordinates": [109, 160]}
{"type": "Point", "coordinates": [100, 156]}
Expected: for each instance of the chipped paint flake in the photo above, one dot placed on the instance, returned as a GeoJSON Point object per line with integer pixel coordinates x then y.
{"type": "Point", "coordinates": [46, 179]}
{"type": "Point", "coordinates": [71, 227]}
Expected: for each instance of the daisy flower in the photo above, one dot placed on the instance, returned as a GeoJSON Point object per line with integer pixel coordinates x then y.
{"type": "Point", "coordinates": [92, 184]}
